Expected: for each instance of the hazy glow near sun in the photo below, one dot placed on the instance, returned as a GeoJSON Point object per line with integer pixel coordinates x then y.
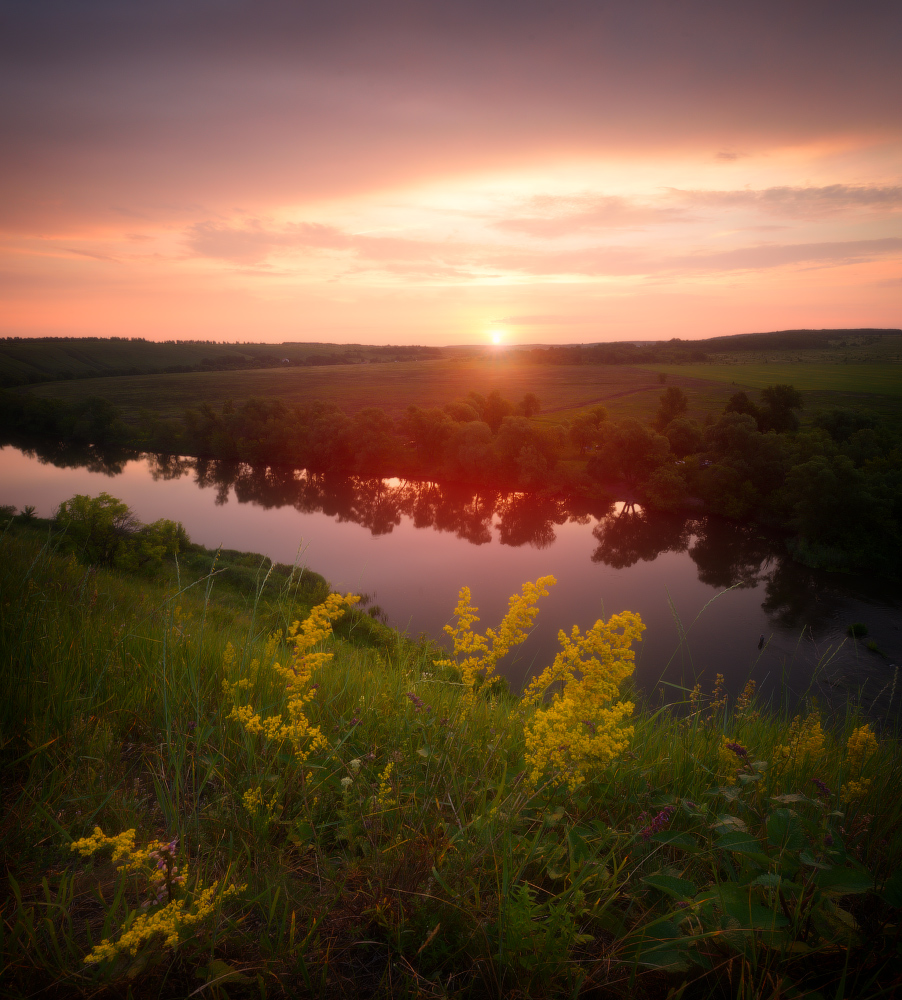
{"type": "Point", "coordinates": [496, 336]}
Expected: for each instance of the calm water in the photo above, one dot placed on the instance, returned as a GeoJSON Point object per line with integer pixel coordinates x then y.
{"type": "Point", "coordinates": [413, 545]}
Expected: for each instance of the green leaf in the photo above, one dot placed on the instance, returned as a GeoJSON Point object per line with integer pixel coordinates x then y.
{"type": "Point", "coordinates": [768, 880]}
{"type": "Point", "coordinates": [580, 850]}
{"type": "Point", "coordinates": [684, 841]}
{"type": "Point", "coordinates": [811, 862]}
{"type": "Point", "coordinates": [785, 831]}
{"type": "Point", "coordinates": [747, 779]}
{"type": "Point", "coordinates": [680, 888]}
{"type": "Point", "coordinates": [302, 834]}
{"type": "Point", "coordinates": [786, 800]}
{"type": "Point", "coordinates": [738, 903]}
{"type": "Point", "coordinates": [844, 881]}
{"type": "Point", "coordinates": [892, 891]}
{"type": "Point", "coordinates": [221, 972]}
{"type": "Point", "coordinates": [726, 822]}
{"type": "Point", "coordinates": [423, 752]}
{"type": "Point", "coordinates": [738, 840]}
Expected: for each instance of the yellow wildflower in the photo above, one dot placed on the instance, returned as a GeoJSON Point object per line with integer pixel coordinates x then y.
{"type": "Point", "coordinates": [297, 730]}
{"type": "Point", "coordinates": [582, 726]}
{"type": "Point", "coordinates": [478, 655]}
{"type": "Point", "coordinates": [384, 797]}
{"type": "Point", "coordinates": [861, 745]}
{"type": "Point", "coordinates": [258, 806]}
{"type": "Point", "coordinates": [806, 741]}
{"type": "Point", "coordinates": [168, 923]}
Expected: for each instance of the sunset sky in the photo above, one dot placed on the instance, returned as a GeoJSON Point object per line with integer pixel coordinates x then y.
{"type": "Point", "coordinates": [442, 171]}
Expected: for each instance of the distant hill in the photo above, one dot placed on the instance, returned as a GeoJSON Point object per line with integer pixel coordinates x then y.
{"type": "Point", "coordinates": [26, 361]}
{"type": "Point", "coordinates": [792, 340]}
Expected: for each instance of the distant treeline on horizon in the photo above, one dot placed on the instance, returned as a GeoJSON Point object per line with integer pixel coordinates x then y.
{"type": "Point", "coordinates": [27, 361]}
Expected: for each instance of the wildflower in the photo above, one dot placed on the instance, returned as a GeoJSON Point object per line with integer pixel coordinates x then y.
{"type": "Point", "coordinates": [657, 823]}
{"type": "Point", "coordinates": [861, 745]}
{"type": "Point", "coordinates": [354, 765]}
{"type": "Point", "coordinates": [384, 797]}
{"type": "Point", "coordinates": [695, 697]}
{"type": "Point", "coordinates": [821, 786]}
{"type": "Point", "coordinates": [806, 740]}
{"type": "Point", "coordinates": [726, 758]}
{"type": "Point", "coordinates": [583, 724]}
{"type": "Point", "coordinates": [346, 783]}
{"type": "Point", "coordinates": [182, 910]}
{"type": "Point", "coordinates": [718, 695]}
{"type": "Point", "coordinates": [257, 806]}
{"type": "Point", "coordinates": [297, 730]}
{"type": "Point", "coordinates": [744, 701]}
{"type": "Point", "coordinates": [477, 655]}
{"type": "Point", "coordinates": [739, 750]}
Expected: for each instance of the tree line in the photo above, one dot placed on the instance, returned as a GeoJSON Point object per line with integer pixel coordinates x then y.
{"type": "Point", "coordinates": [835, 485]}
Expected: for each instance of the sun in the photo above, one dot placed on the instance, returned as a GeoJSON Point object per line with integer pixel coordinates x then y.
{"type": "Point", "coordinates": [497, 336]}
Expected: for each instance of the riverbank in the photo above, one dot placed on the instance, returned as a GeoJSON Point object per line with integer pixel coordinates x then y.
{"type": "Point", "coordinates": [412, 846]}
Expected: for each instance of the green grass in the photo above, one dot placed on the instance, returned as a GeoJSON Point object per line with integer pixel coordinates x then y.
{"type": "Point", "coordinates": [462, 878]}
{"type": "Point", "coordinates": [562, 390]}
{"type": "Point", "coordinates": [884, 379]}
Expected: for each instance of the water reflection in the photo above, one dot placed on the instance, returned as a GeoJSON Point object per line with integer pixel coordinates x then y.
{"type": "Point", "coordinates": [724, 554]}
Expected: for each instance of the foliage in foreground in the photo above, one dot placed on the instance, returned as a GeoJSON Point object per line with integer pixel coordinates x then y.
{"type": "Point", "coordinates": [294, 813]}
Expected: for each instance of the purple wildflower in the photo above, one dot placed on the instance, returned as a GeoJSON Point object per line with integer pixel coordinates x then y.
{"type": "Point", "coordinates": [739, 750]}
{"type": "Point", "coordinates": [821, 787]}
{"type": "Point", "coordinates": [657, 823]}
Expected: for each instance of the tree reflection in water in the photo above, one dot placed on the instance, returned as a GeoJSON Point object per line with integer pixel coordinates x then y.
{"type": "Point", "coordinates": [725, 553]}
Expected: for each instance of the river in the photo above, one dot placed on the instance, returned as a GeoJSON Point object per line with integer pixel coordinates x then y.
{"type": "Point", "coordinates": [706, 589]}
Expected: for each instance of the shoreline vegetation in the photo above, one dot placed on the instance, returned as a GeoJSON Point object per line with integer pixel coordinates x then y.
{"type": "Point", "coordinates": [834, 486]}
{"type": "Point", "coordinates": [222, 779]}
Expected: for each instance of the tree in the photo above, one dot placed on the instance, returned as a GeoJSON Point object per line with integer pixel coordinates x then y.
{"type": "Point", "coordinates": [496, 409]}
{"type": "Point", "coordinates": [684, 435]}
{"type": "Point", "coordinates": [529, 405]}
{"type": "Point", "coordinates": [373, 440]}
{"type": "Point", "coordinates": [779, 402]}
{"type": "Point", "coordinates": [430, 430]}
{"type": "Point", "coordinates": [470, 450]}
{"type": "Point", "coordinates": [739, 402]}
{"type": "Point", "coordinates": [673, 403]}
{"type": "Point", "coordinates": [583, 430]}
{"type": "Point", "coordinates": [99, 525]}
{"type": "Point", "coordinates": [628, 450]}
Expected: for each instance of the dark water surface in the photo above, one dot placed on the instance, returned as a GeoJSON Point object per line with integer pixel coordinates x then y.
{"type": "Point", "coordinates": [706, 589]}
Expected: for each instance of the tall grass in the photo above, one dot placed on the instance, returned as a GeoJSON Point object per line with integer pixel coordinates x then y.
{"type": "Point", "coordinates": [411, 856]}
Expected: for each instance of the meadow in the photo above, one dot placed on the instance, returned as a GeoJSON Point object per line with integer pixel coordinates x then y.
{"type": "Point", "coordinates": [624, 390]}
{"type": "Point", "coordinates": [202, 798]}
{"type": "Point", "coordinates": [878, 378]}
{"type": "Point", "coordinates": [859, 372]}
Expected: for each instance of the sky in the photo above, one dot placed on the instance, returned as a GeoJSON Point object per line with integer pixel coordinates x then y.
{"type": "Point", "coordinates": [448, 171]}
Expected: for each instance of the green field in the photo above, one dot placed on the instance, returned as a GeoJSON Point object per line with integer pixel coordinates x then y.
{"type": "Point", "coordinates": [883, 379]}
{"type": "Point", "coordinates": [626, 391]}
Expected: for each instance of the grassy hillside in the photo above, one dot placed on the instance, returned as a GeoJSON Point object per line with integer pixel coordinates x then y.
{"type": "Point", "coordinates": [370, 825]}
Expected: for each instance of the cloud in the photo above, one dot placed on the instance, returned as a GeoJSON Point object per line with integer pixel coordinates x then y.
{"type": "Point", "coordinates": [798, 202]}
{"type": "Point", "coordinates": [558, 216]}
{"type": "Point", "coordinates": [638, 262]}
